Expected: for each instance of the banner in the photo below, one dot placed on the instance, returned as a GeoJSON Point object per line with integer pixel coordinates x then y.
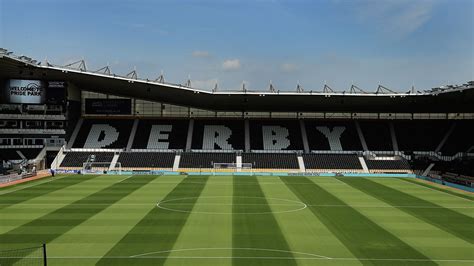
{"type": "Point", "coordinates": [25, 91]}
{"type": "Point", "coordinates": [108, 106]}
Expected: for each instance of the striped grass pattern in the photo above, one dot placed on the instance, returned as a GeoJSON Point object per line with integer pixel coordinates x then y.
{"type": "Point", "coordinates": [241, 220]}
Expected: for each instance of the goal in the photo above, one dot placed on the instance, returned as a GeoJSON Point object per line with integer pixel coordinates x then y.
{"type": "Point", "coordinates": [232, 167]}
{"type": "Point", "coordinates": [101, 168]}
{"type": "Point", "coordinates": [24, 256]}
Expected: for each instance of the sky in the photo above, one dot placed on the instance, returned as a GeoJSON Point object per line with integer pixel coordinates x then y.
{"type": "Point", "coordinates": [396, 43]}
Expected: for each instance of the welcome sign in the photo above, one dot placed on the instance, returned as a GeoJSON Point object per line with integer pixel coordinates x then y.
{"type": "Point", "coordinates": [25, 91]}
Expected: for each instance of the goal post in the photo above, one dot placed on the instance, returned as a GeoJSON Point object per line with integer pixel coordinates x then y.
{"type": "Point", "coordinates": [232, 167]}
{"type": "Point", "coordinates": [24, 256]}
{"type": "Point", "coordinates": [101, 168]}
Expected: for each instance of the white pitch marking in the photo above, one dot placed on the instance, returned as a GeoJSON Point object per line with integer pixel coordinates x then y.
{"type": "Point", "coordinates": [398, 179]}
{"type": "Point", "coordinates": [39, 183]}
{"type": "Point", "coordinates": [237, 257]}
{"type": "Point", "coordinates": [304, 206]}
{"type": "Point", "coordinates": [252, 249]}
{"type": "Point", "coordinates": [437, 190]}
{"type": "Point", "coordinates": [251, 204]}
{"type": "Point", "coordinates": [35, 184]}
{"type": "Point", "coordinates": [124, 179]}
{"type": "Point", "coordinates": [327, 205]}
{"type": "Point", "coordinates": [217, 183]}
{"type": "Point", "coordinates": [392, 206]}
{"type": "Point", "coordinates": [402, 206]}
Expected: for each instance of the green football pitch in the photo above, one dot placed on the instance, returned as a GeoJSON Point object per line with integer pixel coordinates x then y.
{"type": "Point", "coordinates": [240, 220]}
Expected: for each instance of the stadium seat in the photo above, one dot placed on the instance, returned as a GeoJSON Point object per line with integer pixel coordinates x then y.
{"type": "Point", "coordinates": [111, 134]}
{"type": "Point", "coordinates": [377, 135]}
{"type": "Point", "coordinates": [460, 140]}
{"type": "Point", "coordinates": [275, 135]}
{"type": "Point", "coordinates": [77, 159]}
{"type": "Point", "coordinates": [161, 134]}
{"type": "Point", "coordinates": [391, 165]}
{"type": "Point", "coordinates": [205, 159]}
{"type": "Point", "coordinates": [146, 159]}
{"type": "Point", "coordinates": [12, 154]}
{"type": "Point", "coordinates": [9, 154]}
{"type": "Point", "coordinates": [271, 160]}
{"type": "Point", "coordinates": [218, 135]}
{"type": "Point", "coordinates": [459, 166]}
{"type": "Point", "coordinates": [420, 135]}
{"type": "Point", "coordinates": [332, 135]}
{"type": "Point", "coordinates": [331, 161]}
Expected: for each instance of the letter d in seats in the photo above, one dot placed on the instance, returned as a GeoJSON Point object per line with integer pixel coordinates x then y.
{"type": "Point", "coordinates": [101, 136]}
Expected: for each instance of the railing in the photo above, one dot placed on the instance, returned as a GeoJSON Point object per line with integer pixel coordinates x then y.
{"type": "Point", "coordinates": [33, 117]}
{"type": "Point", "coordinates": [21, 146]}
{"type": "Point", "coordinates": [439, 156]}
{"type": "Point", "coordinates": [215, 151]}
{"type": "Point", "coordinates": [93, 150]}
{"type": "Point", "coordinates": [276, 151]}
{"type": "Point", "coordinates": [31, 131]}
{"type": "Point", "coordinates": [387, 155]}
{"type": "Point", "coordinates": [336, 152]}
{"type": "Point", "coordinates": [156, 150]}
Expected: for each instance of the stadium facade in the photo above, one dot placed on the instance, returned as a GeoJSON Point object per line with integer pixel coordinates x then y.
{"type": "Point", "coordinates": [72, 119]}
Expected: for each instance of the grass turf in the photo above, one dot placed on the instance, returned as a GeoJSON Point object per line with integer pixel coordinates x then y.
{"type": "Point", "coordinates": [242, 220]}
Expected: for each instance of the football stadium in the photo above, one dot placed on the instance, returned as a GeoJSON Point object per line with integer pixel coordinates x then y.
{"type": "Point", "coordinates": [149, 173]}
{"type": "Point", "coordinates": [236, 132]}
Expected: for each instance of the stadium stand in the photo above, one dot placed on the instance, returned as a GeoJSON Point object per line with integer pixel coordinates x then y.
{"type": "Point", "coordinates": [389, 165]}
{"type": "Point", "coordinates": [77, 159]}
{"type": "Point", "coordinates": [458, 179]}
{"type": "Point", "coordinates": [377, 135]}
{"type": "Point", "coordinates": [218, 135]}
{"type": "Point", "coordinates": [461, 139]}
{"type": "Point", "coordinates": [420, 135]}
{"type": "Point", "coordinates": [12, 154]}
{"type": "Point", "coordinates": [146, 124]}
{"type": "Point", "coordinates": [275, 135]}
{"type": "Point", "coordinates": [10, 109]}
{"type": "Point", "coordinates": [97, 134]}
{"type": "Point", "coordinates": [146, 159]}
{"type": "Point", "coordinates": [331, 161]}
{"type": "Point", "coordinates": [205, 159]}
{"type": "Point", "coordinates": [332, 135]}
{"type": "Point", "coordinates": [30, 153]}
{"type": "Point", "coordinates": [271, 160]}
{"type": "Point", "coordinates": [465, 166]}
{"type": "Point", "coordinates": [266, 136]}
{"type": "Point", "coordinates": [161, 134]}
{"type": "Point", "coordinates": [9, 124]}
{"type": "Point", "coordinates": [9, 154]}
{"type": "Point", "coordinates": [460, 168]}
{"type": "Point", "coordinates": [50, 156]}
{"type": "Point", "coordinates": [420, 163]}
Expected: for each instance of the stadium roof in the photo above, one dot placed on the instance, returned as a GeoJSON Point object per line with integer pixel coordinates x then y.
{"type": "Point", "coordinates": [448, 99]}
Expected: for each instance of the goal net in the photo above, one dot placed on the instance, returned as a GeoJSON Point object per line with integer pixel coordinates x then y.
{"type": "Point", "coordinates": [24, 256]}
{"type": "Point", "coordinates": [101, 168]}
{"type": "Point", "coordinates": [232, 167]}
